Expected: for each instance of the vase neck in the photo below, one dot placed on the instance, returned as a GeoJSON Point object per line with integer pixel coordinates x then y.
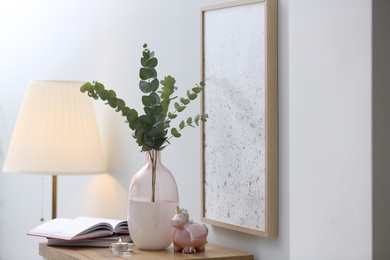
{"type": "Point", "coordinates": [153, 155]}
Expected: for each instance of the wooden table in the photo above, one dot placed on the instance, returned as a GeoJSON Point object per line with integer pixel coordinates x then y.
{"type": "Point", "coordinates": [80, 253]}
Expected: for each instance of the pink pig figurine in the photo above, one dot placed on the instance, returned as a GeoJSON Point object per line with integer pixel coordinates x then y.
{"type": "Point", "coordinates": [188, 237]}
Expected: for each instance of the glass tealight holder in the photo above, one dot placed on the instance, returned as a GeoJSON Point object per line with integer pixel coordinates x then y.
{"type": "Point", "coordinates": [121, 248]}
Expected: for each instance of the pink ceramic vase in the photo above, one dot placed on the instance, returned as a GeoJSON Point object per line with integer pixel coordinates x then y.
{"type": "Point", "coordinates": [149, 213]}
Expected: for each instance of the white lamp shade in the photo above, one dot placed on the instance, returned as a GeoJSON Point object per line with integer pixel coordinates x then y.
{"type": "Point", "coordinates": [56, 132]}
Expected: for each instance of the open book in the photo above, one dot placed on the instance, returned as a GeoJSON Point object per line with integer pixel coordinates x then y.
{"type": "Point", "coordinates": [80, 228]}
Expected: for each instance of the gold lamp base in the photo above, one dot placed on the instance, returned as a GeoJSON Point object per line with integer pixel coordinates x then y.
{"type": "Point", "coordinates": [54, 197]}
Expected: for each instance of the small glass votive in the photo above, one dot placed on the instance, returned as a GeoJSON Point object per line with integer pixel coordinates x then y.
{"type": "Point", "coordinates": [121, 248]}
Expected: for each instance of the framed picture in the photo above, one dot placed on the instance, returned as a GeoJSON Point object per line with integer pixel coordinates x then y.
{"type": "Point", "coordinates": [240, 139]}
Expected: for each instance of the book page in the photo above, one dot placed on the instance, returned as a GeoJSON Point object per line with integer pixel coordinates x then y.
{"type": "Point", "coordinates": [82, 227]}
{"type": "Point", "coordinates": [93, 221]}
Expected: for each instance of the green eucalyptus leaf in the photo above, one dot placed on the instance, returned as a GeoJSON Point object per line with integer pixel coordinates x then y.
{"type": "Point", "coordinates": [154, 85]}
{"type": "Point", "coordinates": [120, 104]}
{"type": "Point", "coordinates": [125, 111]}
{"type": "Point", "coordinates": [85, 87]}
{"type": "Point", "coordinates": [113, 102]}
{"type": "Point", "coordinates": [178, 107]}
{"type": "Point", "coordinates": [143, 86]}
{"type": "Point", "coordinates": [147, 73]}
{"type": "Point", "coordinates": [131, 116]}
{"type": "Point", "coordinates": [147, 111]}
{"type": "Point", "coordinates": [148, 101]}
{"type": "Point", "coordinates": [197, 90]}
{"type": "Point", "coordinates": [151, 63]}
{"type": "Point", "coordinates": [191, 96]}
{"type": "Point", "coordinates": [175, 133]}
{"type": "Point", "coordinates": [153, 72]}
{"type": "Point", "coordinates": [158, 142]}
{"type": "Point", "coordinates": [140, 141]}
{"type": "Point", "coordinates": [172, 116]}
{"type": "Point", "coordinates": [156, 131]}
{"type": "Point", "coordinates": [168, 81]}
{"type": "Point", "coordinates": [156, 97]}
{"type": "Point", "coordinates": [189, 121]}
{"type": "Point", "coordinates": [111, 94]}
{"type": "Point", "coordinates": [99, 86]}
{"type": "Point", "coordinates": [165, 102]}
{"type": "Point", "coordinates": [133, 113]}
{"type": "Point", "coordinates": [146, 54]}
{"type": "Point", "coordinates": [133, 123]}
{"type": "Point", "coordinates": [156, 111]}
{"type": "Point", "coordinates": [139, 132]}
{"type": "Point", "coordinates": [100, 92]}
{"type": "Point", "coordinates": [104, 95]}
{"type": "Point", "coordinates": [147, 120]}
{"type": "Point", "coordinates": [197, 118]}
{"type": "Point", "coordinates": [182, 124]}
{"type": "Point", "coordinates": [148, 140]}
{"type": "Point", "coordinates": [163, 94]}
{"type": "Point", "coordinates": [138, 128]}
{"type": "Point", "coordinates": [163, 146]}
{"type": "Point", "coordinates": [143, 62]}
{"type": "Point", "coordinates": [185, 101]}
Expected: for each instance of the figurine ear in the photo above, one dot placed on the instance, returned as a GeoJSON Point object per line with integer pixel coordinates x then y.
{"type": "Point", "coordinates": [178, 210]}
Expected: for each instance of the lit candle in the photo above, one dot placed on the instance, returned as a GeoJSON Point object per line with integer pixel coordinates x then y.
{"type": "Point", "coordinates": [121, 248]}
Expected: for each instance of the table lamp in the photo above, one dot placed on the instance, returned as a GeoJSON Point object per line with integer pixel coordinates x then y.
{"type": "Point", "coordinates": [56, 133]}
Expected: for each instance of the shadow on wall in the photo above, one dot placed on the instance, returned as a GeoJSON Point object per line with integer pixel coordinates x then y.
{"type": "Point", "coordinates": [103, 194]}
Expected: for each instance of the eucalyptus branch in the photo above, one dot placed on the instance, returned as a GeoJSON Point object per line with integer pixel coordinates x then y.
{"type": "Point", "coordinates": [191, 95]}
{"type": "Point", "coordinates": [189, 122]}
{"type": "Point", "coordinates": [97, 90]}
{"type": "Point", "coordinates": [150, 129]}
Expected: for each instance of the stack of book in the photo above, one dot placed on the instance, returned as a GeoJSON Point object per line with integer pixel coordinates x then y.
{"type": "Point", "coordinates": [83, 231]}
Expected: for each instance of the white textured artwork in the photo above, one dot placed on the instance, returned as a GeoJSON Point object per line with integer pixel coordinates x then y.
{"type": "Point", "coordinates": [234, 156]}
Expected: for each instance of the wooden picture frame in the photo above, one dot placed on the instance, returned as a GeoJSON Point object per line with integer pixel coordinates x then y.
{"type": "Point", "coordinates": [239, 142]}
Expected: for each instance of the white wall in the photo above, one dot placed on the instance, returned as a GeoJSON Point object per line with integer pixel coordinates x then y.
{"type": "Point", "coordinates": [324, 120]}
{"type": "Point", "coordinates": [330, 129]}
